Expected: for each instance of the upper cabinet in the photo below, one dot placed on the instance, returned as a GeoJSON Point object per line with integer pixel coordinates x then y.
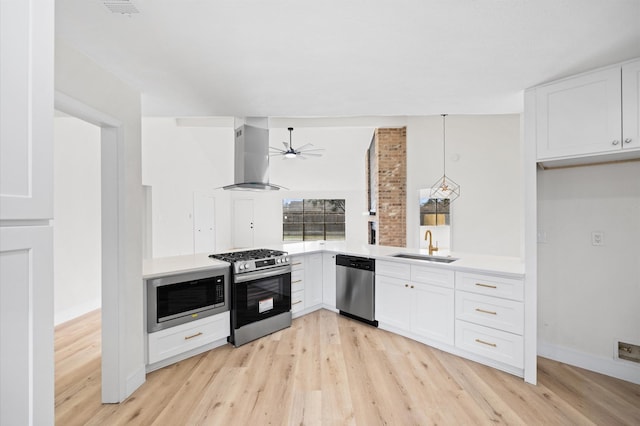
{"type": "Point", "coordinates": [26, 110]}
{"type": "Point", "coordinates": [592, 115]}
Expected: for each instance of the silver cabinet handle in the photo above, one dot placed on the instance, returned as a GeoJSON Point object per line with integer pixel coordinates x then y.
{"type": "Point", "coordinates": [627, 140]}
{"type": "Point", "coordinates": [615, 142]}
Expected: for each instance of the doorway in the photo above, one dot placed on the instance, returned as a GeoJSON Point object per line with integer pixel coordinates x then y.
{"type": "Point", "coordinates": [113, 384]}
{"type": "Point", "coordinates": [77, 219]}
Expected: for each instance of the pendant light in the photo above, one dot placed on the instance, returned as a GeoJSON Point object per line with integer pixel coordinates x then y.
{"type": "Point", "coordinates": [444, 187]}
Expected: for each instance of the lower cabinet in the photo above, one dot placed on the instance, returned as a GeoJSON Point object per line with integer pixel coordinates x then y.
{"type": "Point", "coordinates": [421, 309]}
{"type": "Point", "coordinates": [177, 340]}
{"type": "Point", "coordinates": [313, 281]}
{"type": "Point", "coordinates": [490, 317]}
{"type": "Point", "coordinates": [329, 280]}
{"type": "Point", "coordinates": [507, 348]}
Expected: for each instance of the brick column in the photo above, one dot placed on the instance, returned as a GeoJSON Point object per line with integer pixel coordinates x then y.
{"type": "Point", "coordinates": [391, 215]}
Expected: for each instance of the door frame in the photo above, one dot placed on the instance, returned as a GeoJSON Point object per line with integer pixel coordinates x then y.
{"type": "Point", "coordinates": [111, 138]}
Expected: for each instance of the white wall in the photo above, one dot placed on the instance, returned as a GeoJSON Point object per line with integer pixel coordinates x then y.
{"type": "Point", "coordinates": [80, 79]}
{"type": "Point", "coordinates": [589, 295]}
{"type": "Point", "coordinates": [180, 160]}
{"type": "Point", "coordinates": [483, 157]}
{"type": "Point", "coordinates": [77, 221]}
{"type": "Point", "coordinates": [486, 163]}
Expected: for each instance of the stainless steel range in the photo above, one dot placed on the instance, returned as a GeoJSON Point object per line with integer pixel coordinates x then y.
{"type": "Point", "coordinates": [260, 293]}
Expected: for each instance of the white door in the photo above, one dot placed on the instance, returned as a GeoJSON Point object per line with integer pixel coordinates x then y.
{"type": "Point", "coordinates": [26, 195]}
{"type": "Point", "coordinates": [242, 223]}
{"type": "Point", "coordinates": [204, 215]}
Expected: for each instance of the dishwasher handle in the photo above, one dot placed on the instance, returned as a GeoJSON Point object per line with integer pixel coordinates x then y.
{"type": "Point", "coordinates": [355, 262]}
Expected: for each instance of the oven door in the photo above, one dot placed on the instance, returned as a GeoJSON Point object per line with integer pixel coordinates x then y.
{"type": "Point", "coordinates": [260, 295]}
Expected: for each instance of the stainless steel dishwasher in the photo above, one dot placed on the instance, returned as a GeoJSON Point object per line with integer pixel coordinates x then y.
{"type": "Point", "coordinates": [355, 288]}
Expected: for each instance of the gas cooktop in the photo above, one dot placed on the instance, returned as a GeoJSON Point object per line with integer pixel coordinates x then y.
{"type": "Point", "coordinates": [254, 260]}
{"type": "Point", "coordinates": [255, 254]}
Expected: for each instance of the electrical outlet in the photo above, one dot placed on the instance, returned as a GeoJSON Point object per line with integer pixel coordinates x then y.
{"type": "Point", "coordinates": [542, 236]}
{"type": "Point", "coordinates": [597, 238]}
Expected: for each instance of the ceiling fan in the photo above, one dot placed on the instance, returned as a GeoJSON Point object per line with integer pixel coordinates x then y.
{"type": "Point", "coordinates": [290, 152]}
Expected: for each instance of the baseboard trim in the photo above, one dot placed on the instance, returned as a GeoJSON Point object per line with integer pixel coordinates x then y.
{"type": "Point", "coordinates": [135, 380]}
{"type": "Point", "coordinates": [76, 311]}
{"type": "Point", "coordinates": [620, 369]}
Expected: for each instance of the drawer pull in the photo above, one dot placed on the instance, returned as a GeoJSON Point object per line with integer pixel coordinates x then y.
{"type": "Point", "coordinates": [296, 281]}
{"type": "Point", "coordinates": [493, 345]}
{"type": "Point", "coordinates": [486, 285]}
{"type": "Point", "coordinates": [192, 336]}
{"type": "Point", "coordinates": [486, 312]}
{"type": "Point", "coordinates": [297, 263]}
{"type": "Point", "coordinates": [295, 303]}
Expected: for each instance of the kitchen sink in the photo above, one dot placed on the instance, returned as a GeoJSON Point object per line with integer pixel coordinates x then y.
{"type": "Point", "coordinates": [425, 257]}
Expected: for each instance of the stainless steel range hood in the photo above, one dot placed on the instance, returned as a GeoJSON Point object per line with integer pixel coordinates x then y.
{"type": "Point", "coordinates": [252, 160]}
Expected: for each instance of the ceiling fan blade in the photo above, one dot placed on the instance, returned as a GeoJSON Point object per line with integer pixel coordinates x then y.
{"type": "Point", "coordinates": [273, 148]}
{"type": "Point", "coordinates": [312, 154]}
{"type": "Point", "coordinates": [286, 145]}
{"type": "Point", "coordinates": [304, 147]}
{"type": "Point", "coordinates": [314, 149]}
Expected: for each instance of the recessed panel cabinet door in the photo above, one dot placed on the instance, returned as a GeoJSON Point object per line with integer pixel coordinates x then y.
{"type": "Point", "coordinates": [631, 105]}
{"type": "Point", "coordinates": [433, 312]}
{"type": "Point", "coordinates": [393, 300]}
{"type": "Point", "coordinates": [26, 109]}
{"type": "Point", "coordinates": [580, 115]}
{"type": "Point", "coordinates": [26, 325]}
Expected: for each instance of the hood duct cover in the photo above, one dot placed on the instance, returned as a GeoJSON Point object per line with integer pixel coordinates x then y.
{"type": "Point", "coordinates": [251, 163]}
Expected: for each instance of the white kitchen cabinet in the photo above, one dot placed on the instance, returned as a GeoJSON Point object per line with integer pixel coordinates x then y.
{"type": "Point", "coordinates": [183, 338]}
{"type": "Point", "coordinates": [297, 285]}
{"type": "Point", "coordinates": [26, 110]}
{"type": "Point", "coordinates": [313, 281]}
{"type": "Point", "coordinates": [329, 280]}
{"type": "Point", "coordinates": [490, 317]}
{"type": "Point", "coordinates": [432, 312]}
{"type": "Point", "coordinates": [631, 104]}
{"type": "Point", "coordinates": [423, 309]}
{"type": "Point", "coordinates": [26, 199]}
{"type": "Point", "coordinates": [583, 115]}
{"type": "Point", "coordinates": [26, 325]}
{"type": "Point", "coordinates": [392, 296]}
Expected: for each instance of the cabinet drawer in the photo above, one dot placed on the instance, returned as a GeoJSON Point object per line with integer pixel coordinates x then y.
{"type": "Point", "coordinates": [393, 269]}
{"type": "Point", "coordinates": [297, 280]}
{"type": "Point", "coordinates": [506, 315]}
{"type": "Point", "coordinates": [182, 338]}
{"type": "Point", "coordinates": [494, 344]}
{"type": "Point", "coordinates": [297, 263]}
{"type": "Point", "coordinates": [435, 276]}
{"type": "Point", "coordinates": [491, 285]}
{"type": "Point", "coordinates": [297, 301]}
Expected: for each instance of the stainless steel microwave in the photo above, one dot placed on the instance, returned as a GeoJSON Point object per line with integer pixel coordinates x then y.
{"type": "Point", "coordinates": [178, 299]}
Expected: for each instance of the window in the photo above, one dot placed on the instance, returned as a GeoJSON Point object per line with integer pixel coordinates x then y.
{"type": "Point", "coordinates": [312, 219]}
{"type": "Point", "coordinates": [434, 211]}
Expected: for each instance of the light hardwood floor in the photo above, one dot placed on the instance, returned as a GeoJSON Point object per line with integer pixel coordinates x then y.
{"type": "Point", "coordinates": [330, 370]}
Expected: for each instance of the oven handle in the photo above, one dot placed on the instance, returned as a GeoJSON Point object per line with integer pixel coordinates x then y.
{"type": "Point", "coordinates": [252, 276]}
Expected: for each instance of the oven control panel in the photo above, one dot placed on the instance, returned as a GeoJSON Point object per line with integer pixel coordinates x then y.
{"type": "Point", "coordinates": [243, 266]}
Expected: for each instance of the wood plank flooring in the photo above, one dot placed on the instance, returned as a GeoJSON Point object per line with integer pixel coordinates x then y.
{"type": "Point", "coordinates": [329, 370]}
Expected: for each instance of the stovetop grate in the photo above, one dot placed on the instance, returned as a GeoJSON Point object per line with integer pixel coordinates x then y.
{"type": "Point", "coordinates": [245, 255]}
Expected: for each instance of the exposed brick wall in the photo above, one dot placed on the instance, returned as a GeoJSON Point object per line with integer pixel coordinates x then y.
{"type": "Point", "coordinates": [391, 188]}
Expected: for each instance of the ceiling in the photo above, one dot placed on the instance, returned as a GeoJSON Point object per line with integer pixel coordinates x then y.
{"type": "Point", "coordinates": [336, 58]}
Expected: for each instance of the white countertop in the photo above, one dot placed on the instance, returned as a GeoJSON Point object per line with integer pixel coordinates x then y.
{"type": "Point", "coordinates": [160, 266]}
{"type": "Point", "coordinates": [466, 261]}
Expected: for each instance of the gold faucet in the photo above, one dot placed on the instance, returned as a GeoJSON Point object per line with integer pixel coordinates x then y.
{"type": "Point", "coordinates": [428, 237]}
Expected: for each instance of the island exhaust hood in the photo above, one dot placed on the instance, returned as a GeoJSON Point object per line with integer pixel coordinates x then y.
{"type": "Point", "coordinates": [251, 164]}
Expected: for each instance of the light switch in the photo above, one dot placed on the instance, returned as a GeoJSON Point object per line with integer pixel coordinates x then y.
{"type": "Point", "coordinates": [597, 238]}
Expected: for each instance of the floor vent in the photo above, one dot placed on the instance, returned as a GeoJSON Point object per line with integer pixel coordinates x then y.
{"type": "Point", "coordinates": [121, 6]}
{"type": "Point", "coordinates": [629, 352]}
